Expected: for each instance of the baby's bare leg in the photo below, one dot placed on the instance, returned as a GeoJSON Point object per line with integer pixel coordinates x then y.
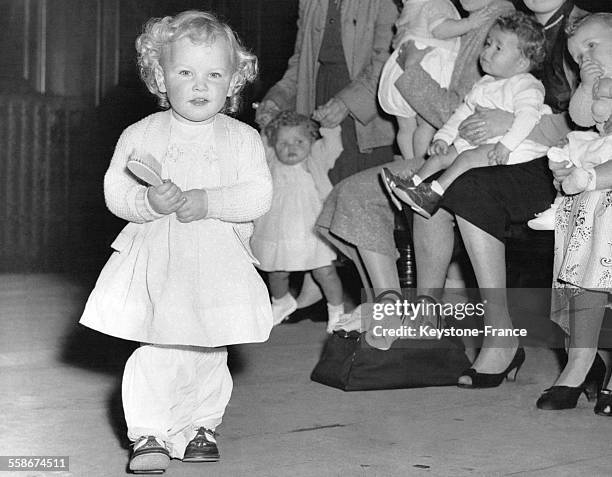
{"type": "Point", "coordinates": [422, 137]}
{"type": "Point", "coordinates": [405, 134]}
{"type": "Point", "coordinates": [464, 162]}
{"type": "Point", "coordinates": [437, 163]}
{"type": "Point", "coordinates": [279, 283]}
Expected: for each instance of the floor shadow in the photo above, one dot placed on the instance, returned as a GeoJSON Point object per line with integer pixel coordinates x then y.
{"type": "Point", "coordinates": [89, 349]}
{"type": "Point", "coordinates": [115, 414]}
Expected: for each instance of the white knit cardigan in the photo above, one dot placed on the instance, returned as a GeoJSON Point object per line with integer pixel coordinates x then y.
{"type": "Point", "coordinates": [246, 186]}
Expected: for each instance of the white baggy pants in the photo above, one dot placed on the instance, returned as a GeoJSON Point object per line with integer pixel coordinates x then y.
{"type": "Point", "coordinates": [170, 391]}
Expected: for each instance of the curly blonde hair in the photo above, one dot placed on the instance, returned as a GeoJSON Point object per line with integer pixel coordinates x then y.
{"type": "Point", "coordinates": [200, 27]}
{"type": "Point", "coordinates": [290, 119]}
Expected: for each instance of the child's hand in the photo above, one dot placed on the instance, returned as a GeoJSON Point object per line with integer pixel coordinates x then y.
{"type": "Point", "coordinates": [437, 147]}
{"type": "Point", "coordinates": [409, 55]}
{"type": "Point", "coordinates": [590, 72]}
{"type": "Point", "coordinates": [265, 112]}
{"type": "Point", "coordinates": [166, 198]}
{"type": "Point", "coordinates": [331, 113]}
{"type": "Point", "coordinates": [480, 17]}
{"type": "Point", "coordinates": [194, 206]}
{"type": "Point", "coordinates": [499, 155]}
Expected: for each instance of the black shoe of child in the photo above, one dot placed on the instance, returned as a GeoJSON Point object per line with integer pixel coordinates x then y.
{"type": "Point", "coordinates": [149, 456]}
{"type": "Point", "coordinates": [393, 181]}
{"type": "Point", "coordinates": [202, 448]}
{"type": "Point", "coordinates": [422, 198]}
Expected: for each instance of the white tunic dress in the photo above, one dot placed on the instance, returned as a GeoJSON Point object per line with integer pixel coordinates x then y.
{"type": "Point", "coordinates": [185, 283]}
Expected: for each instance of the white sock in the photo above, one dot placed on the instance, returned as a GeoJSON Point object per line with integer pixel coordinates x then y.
{"type": "Point", "coordinates": [437, 188]}
{"type": "Point", "coordinates": [416, 180]}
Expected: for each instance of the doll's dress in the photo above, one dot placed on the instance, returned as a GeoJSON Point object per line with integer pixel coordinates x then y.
{"type": "Point", "coordinates": [418, 18]}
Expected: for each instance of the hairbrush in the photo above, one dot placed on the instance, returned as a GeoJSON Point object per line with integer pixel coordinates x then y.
{"type": "Point", "coordinates": [146, 168]}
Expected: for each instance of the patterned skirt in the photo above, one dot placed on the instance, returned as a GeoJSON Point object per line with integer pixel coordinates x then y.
{"type": "Point", "coordinates": [583, 250]}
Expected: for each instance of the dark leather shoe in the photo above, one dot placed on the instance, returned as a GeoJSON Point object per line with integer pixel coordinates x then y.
{"type": "Point", "coordinates": [202, 448]}
{"type": "Point", "coordinates": [149, 456]}
{"type": "Point", "coordinates": [422, 198]}
{"type": "Point", "coordinates": [557, 398]}
{"type": "Point", "coordinates": [392, 181]}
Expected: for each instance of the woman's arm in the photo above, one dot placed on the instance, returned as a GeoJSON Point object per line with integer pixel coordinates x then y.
{"type": "Point", "coordinates": [359, 96]}
{"type": "Point", "coordinates": [487, 123]}
{"type": "Point", "coordinates": [441, 102]}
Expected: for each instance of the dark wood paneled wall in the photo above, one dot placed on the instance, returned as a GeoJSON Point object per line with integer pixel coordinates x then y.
{"type": "Point", "coordinates": [80, 53]}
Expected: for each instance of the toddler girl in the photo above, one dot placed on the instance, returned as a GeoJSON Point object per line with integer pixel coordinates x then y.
{"type": "Point", "coordinates": [285, 239]}
{"type": "Point", "coordinates": [430, 23]}
{"type": "Point", "coordinates": [514, 47]}
{"type": "Point", "coordinates": [181, 280]}
{"type": "Point", "coordinates": [591, 105]}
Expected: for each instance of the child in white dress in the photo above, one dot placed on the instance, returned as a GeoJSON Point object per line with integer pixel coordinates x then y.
{"type": "Point", "coordinates": [433, 24]}
{"type": "Point", "coordinates": [285, 239]}
{"type": "Point", "coordinates": [514, 47]}
{"type": "Point", "coordinates": [591, 105]}
{"type": "Point", "coordinates": [182, 280]}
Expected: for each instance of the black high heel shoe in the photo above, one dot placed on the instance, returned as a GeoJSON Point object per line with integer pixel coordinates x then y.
{"type": "Point", "coordinates": [557, 398]}
{"type": "Point", "coordinates": [486, 380]}
{"type": "Point", "coordinates": [593, 381]}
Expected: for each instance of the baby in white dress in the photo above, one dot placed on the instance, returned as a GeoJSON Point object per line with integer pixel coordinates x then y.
{"type": "Point", "coordinates": [285, 239]}
{"type": "Point", "coordinates": [433, 24]}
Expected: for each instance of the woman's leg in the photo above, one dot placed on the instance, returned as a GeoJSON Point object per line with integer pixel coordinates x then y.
{"type": "Point", "coordinates": [381, 269]}
{"type": "Point", "coordinates": [433, 249]}
{"type": "Point", "coordinates": [586, 316]}
{"type": "Point", "coordinates": [358, 219]}
{"type": "Point", "coordinates": [488, 257]}
{"type": "Point", "coordinates": [328, 279]}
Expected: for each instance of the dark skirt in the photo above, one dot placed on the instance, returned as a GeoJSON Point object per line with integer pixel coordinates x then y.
{"type": "Point", "coordinates": [493, 198]}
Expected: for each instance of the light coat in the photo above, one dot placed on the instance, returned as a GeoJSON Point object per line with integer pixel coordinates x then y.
{"type": "Point", "coordinates": [367, 30]}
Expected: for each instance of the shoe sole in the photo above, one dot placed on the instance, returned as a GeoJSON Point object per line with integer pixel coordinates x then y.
{"type": "Point", "coordinates": [413, 205]}
{"type": "Point", "coordinates": [151, 463]}
{"type": "Point", "coordinates": [201, 459]}
{"type": "Point", "coordinates": [390, 193]}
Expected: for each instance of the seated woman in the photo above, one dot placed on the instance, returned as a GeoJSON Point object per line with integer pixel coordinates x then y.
{"type": "Point", "coordinates": [483, 201]}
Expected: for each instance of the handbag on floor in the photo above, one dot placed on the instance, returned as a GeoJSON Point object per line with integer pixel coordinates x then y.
{"type": "Point", "coordinates": [349, 363]}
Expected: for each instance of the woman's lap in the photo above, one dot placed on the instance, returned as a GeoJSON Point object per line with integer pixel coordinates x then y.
{"type": "Point", "coordinates": [359, 212]}
{"type": "Point", "coordinates": [493, 198]}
